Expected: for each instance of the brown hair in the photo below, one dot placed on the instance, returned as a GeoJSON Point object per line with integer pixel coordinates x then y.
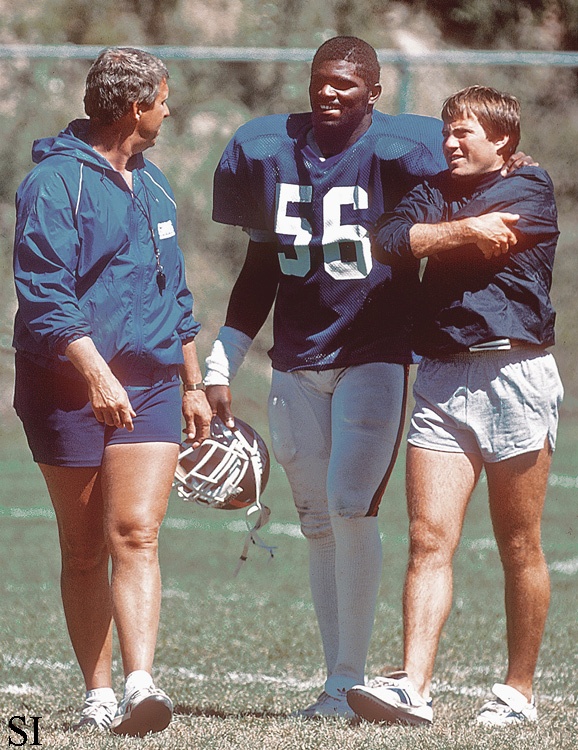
{"type": "Point", "coordinates": [498, 113]}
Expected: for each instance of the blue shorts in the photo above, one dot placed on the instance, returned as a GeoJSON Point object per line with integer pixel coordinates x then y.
{"type": "Point", "coordinates": [60, 425]}
{"type": "Point", "coordinates": [494, 404]}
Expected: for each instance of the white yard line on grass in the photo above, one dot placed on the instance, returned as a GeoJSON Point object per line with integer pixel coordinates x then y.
{"type": "Point", "coordinates": [293, 530]}
{"type": "Point", "coordinates": [236, 678]}
{"type": "Point", "coordinates": [20, 690]}
{"type": "Point", "coordinates": [569, 567]}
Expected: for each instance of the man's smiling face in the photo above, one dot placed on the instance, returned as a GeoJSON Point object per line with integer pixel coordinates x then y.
{"type": "Point", "coordinates": [340, 98]}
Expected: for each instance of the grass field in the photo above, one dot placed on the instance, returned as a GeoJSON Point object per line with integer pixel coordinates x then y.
{"type": "Point", "coordinates": [238, 655]}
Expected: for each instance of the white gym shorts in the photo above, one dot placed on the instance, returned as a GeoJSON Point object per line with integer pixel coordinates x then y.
{"type": "Point", "coordinates": [496, 404]}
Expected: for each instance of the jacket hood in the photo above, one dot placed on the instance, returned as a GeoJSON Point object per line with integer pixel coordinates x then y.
{"type": "Point", "coordinates": [72, 141]}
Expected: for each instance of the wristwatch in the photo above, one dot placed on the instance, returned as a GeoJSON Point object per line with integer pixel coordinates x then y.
{"type": "Point", "coordinates": [193, 386]}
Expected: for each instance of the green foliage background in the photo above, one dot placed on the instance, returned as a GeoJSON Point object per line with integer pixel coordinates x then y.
{"type": "Point", "coordinates": [247, 624]}
{"type": "Point", "coordinates": [209, 100]}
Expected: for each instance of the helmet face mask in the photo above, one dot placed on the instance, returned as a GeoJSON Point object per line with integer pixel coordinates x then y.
{"type": "Point", "coordinates": [229, 470]}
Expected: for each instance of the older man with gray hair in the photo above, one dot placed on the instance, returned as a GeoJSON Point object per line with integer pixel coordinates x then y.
{"type": "Point", "coordinates": [103, 331]}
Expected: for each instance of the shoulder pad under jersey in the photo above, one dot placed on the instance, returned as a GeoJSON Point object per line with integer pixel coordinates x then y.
{"type": "Point", "coordinates": [265, 136]}
{"type": "Point", "coordinates": [397, 134]}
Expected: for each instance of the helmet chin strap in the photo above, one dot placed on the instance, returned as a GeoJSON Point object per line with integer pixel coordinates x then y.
{"type": "Point", "coordinates": [257, 507]}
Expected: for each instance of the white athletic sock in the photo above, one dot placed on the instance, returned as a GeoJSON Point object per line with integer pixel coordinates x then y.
{"type": "Point", "coordinates": [137, 680]}
{"type": "Point", "coordinates": [102, 695]}
{"type": "Point", "coordinates": [358, 561]}
{"type": "Point", "coordinates": [324, 593]}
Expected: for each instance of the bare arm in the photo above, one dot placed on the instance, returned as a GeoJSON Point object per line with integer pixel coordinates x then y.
{"type": "Point", "coordinates": [254, 291]}
{"type": "Point", "coordinates": [109, 400]}
{"type": "Point", "coordinates": [249, 305]}
{"type": "Point", "coordinates": [492, 233]}
{"type": "Point", "coordinates": [196, 409]}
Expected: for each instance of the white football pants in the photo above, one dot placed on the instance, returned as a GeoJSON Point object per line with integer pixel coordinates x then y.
{"type": "Point", "coordinates": [336, 434]}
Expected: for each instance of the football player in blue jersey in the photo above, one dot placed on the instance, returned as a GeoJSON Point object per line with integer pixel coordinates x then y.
{"type": "Point", "coordinates": [307, 188]}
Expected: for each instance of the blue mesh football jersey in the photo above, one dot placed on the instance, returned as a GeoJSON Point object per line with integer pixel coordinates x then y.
{"type": "Point", "coordinates": [335, 307]}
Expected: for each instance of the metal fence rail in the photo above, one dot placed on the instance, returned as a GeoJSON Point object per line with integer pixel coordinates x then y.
{"type": "Point", "coordinates": [405, 62]}
{"type": "Point", "coordinates": [301, 54]}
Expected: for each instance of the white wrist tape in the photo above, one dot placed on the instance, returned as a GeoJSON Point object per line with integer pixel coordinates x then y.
{"type": "Point", "coordinates": [227, 355]}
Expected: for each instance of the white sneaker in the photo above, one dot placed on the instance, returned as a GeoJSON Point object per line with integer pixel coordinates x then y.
{"type": "Point", "coordinates": [144, 710]}
{"type": "Point", "coordinates": [327, 706]}
{"type": "Point", "coordinates": [391, 698]}
{"type": "Point", "coordinates": [95, 713]}
{"type": "Point", "coordinates": [510, 708]}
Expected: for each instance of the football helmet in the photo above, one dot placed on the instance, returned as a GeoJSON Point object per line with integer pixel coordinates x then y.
{"type": "Point", "coordinates": [229, 470]}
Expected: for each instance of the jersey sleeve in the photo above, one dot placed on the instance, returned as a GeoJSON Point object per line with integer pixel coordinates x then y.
{"type": "Point", "coordinates": [245, 180]}
{"type": "Point", "coordinates": [236, 187]}
{"type": "Point", "coordinates": [247, 176]}
{"type": "Point", "coordinates": [260, 235]}
{"type": "Point", "coordinates": [409, 148]}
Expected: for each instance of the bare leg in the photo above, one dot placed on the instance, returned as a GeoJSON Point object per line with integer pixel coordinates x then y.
{"type": "Point", "coordinates": [77, 501]}
{"type": "Point", "coordinates": [517, 488]}
{"type": "Point", "coordinates": [439, 486]}
{"type": "Point", "coordinates": [136, 482]}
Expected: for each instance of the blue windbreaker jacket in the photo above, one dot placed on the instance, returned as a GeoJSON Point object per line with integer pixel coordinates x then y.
{"type": "Point", "coordinates": [466, 299]}
{"type": "Point", "coordinates": [84, 261]}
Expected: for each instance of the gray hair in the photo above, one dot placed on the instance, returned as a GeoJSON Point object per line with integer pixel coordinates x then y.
{"type": "Point", "coordinates": [119, 77]}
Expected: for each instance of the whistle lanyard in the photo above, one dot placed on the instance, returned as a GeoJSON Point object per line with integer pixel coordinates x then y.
{"type": "Point", "coordinates": [146, 212]}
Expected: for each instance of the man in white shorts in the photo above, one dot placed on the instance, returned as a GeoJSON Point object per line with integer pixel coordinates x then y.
{"type": "Point", "coordinates": [487, 395]}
